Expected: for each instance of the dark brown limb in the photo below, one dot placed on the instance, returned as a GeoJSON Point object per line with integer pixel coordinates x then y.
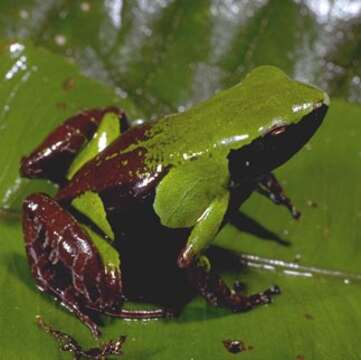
{"type": "Point", "coordinates": [270, 187]}
{"type": "Point", "coordinates": [65, 263]}
{"type": "Point", "coordinates": [69, 344]}
{"type": "Point", "coordinates": [70, 301]}
{"type": "Point", "coordinates": [217, 293]}
{"type": "Point", "coordinates": [52, 158]}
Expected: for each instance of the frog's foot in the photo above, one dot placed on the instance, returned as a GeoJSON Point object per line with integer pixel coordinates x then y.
{"type": "Point", "coordinates": [69, 344]}
{"type": "Point", "coordinates": [270, 187]}
{"type": "Point", "coordinates": [217, 293]}
{"type": "Point", "coordinates": [65, 263]}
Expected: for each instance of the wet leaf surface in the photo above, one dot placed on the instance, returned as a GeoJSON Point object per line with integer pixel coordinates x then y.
{"type": "Point", "coordinates": [37, 91]}
{"type": "Point", "coordinates": [166, 55]}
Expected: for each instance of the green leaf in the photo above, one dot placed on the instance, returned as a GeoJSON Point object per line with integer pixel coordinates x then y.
{"type": "Point", "coordinates": [39, 90]}
{"type": "Point", "coordinates": [317, 317]}
{"type": "Point", "coordinates": [166, 55]}
{"type": "Point", "coordinates": [169, 54]}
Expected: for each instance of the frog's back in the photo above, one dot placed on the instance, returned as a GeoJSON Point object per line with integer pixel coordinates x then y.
{"type": "Point", "coordinates": [136, 162]}
{"type": "Point", "coordinates": [230, 119]}
{"type": "Point", "coordinates": [118, 173]}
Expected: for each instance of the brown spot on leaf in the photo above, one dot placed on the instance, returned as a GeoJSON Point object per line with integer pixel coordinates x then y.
{"type": "Point", "coordinates": [69, 344]}
{"type": "Point", "coordinates": [326, 232]}
{"type": "Point", "coordinates": [236, 346]}
{"type": "Point", "coordinates": [61, 105]}
{"type": "Point", "coordinates": [69, 84]}
{"type": "Point", "coordinates": [309, 317]}
{"type": "Point", "coordinates": [300, 357]}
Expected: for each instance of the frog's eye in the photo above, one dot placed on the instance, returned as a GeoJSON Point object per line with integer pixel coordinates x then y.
{"type": "Point", "coordinates": [278, 130]}
{"type": "Point", "coordinates": [274, 147]}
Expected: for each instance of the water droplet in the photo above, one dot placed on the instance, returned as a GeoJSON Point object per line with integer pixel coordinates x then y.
{"type": "Point", "coordinates": [23, 14]}
{"type": "Point", "coordinates": [298, 257]}
{"type": "Point", "coordinates": [356, 80]}
{"type": "Point", "coordinates": [122, 93]}
{"type": "Point", "coordinates": [63, 15]}
{"type": "Point", "coordinates": [85, 6]}
{"type": "Point", "coordinates": [146, 30]}
{"type": "Point", "coordinates": [16, 49]}
{"type": "Point", "coordinates": [137, 122]}
{"type": "Point", "coordinates": [60, 40]}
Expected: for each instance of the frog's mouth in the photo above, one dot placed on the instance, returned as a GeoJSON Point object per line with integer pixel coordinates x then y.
{"type": "Point", "coordinates": [274, 148]}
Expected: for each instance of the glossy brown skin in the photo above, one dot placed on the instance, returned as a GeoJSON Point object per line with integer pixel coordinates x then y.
{"type": "Point", "coordinates": [57, 247]}
{"type": "Point", "coordinates": [52, 158]}
{"type": "Point", "coordinates": [63, 260]}
{"type": "Point", "coordinates": [120, 179]}
{"type": "Point", "coordinates": [71, 270]}
{"type": "Point", "coordinates": [68, 343]}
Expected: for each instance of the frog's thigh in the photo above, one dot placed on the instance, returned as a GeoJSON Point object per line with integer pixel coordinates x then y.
{"type": "Point", "coordinates": [64, 261]}
{"type": "Point", "coordinates": [52, 158]}
{"type": "Point", "coordinates": [205, 230]}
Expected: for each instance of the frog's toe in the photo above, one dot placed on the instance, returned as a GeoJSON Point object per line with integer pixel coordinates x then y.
{"type": "Point", "coordinates": [217, 293]}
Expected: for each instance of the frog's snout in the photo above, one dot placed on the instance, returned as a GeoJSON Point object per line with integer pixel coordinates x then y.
{"type": "Point", "coordinates": [326, 99]}
{"type": "Point", "coordinates": [274, 148]}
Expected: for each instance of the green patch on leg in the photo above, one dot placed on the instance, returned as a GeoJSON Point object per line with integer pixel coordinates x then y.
{"type": "Point", "coordinates": [208, 224]}
{"type": "Point", "coordinates": [204, 262]}
{"type": "Point", "coordinates": [108, 131]}
{"type": "Point", "coordinates": [91, 205]}
{"type": "Point", "coordinates": [188, 190]}
{"type": "Point", "coordinates": [109, 255]}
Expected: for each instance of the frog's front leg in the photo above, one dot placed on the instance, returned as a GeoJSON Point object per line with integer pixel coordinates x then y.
{"type": "Point", "coordinates": [217, 293]}
{"type": "Point", "coordinates": [53, 157]}
{"type": "Point", "coordinates": [204, 231]}
{"type": "Point", "coordinates": [207, 283]}
{"type": "Point", "coordinates": [270, 187]}
{"type": "Point", "coordinates": [66, 264]}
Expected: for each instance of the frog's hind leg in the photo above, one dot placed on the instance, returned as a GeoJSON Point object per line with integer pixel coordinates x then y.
{"type": "Point", "coordinates": [53, 157]}
{"type": "Point", "coordinates": [217, 293]}
{"type": "Point", "coordinates": [65, 263]}
{"type": "Point", "coordinates": [270, 187]}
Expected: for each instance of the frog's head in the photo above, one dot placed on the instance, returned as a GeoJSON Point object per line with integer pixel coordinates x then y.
{"type": "Point", "coordinates": [296, 111]}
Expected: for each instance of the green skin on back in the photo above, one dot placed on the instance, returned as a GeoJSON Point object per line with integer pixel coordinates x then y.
{"type": "Point", "coordinates": [195, 145]}
{"type": "Point", "coordinates": [207, 132]}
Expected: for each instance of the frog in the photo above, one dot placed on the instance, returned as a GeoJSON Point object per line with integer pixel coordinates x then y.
{"type": "Point", "coordinates": [137, 207]}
